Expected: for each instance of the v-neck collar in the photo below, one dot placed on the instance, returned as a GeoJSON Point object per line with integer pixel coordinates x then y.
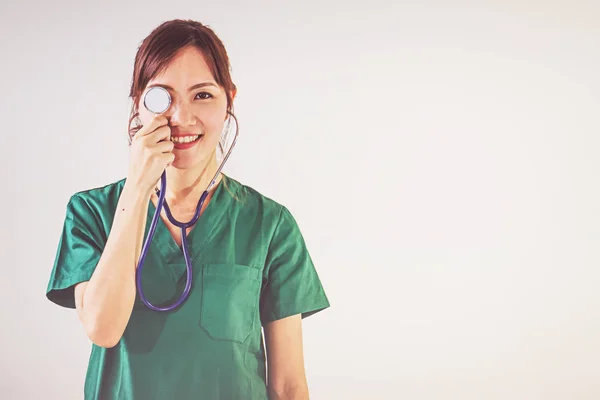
{"type": "Point", "coordinates": [200, 234]}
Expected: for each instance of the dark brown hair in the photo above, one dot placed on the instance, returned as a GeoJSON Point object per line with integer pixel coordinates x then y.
{"type": "Point", "coordinates": [159, 48]}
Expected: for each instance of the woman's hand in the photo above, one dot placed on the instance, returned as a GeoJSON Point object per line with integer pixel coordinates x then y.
{"type": "Point", "coordinates": [151, 154]}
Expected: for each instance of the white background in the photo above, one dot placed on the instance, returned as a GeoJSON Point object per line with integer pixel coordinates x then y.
{"type": "Point", "coordinates": [440, 158]}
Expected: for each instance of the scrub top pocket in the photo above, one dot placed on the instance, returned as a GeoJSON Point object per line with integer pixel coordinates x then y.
{"type": "Point", "coordinates": [230, 298]}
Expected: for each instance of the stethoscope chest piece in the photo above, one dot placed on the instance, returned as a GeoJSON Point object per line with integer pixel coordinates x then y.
{"type": "Point", "coordinates": [157, 100]}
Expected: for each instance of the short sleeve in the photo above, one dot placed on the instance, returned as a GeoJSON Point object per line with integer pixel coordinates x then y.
{"type": "Point", "coordinates": [292, 285]}
{"type": "Point", "coordinates": [79, 250]}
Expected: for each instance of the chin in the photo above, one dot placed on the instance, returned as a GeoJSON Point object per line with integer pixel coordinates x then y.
{"type": "Point", "coordinates": [189, 161]}
{"type": "Point", "coordinates": [179, 163]}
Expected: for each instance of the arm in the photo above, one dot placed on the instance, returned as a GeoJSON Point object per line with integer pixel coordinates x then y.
{"type": "Point", "coordinates": [285, 358]}
{"type": "Point", "coordinates": [105, 302]}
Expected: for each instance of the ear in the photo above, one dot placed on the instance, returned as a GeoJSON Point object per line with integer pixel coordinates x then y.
{"type": "Point", "coordinates": [233, 94]}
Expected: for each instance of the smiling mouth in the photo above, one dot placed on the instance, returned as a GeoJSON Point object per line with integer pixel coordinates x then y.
{"type": "Point", "coordinates": [185, 139]}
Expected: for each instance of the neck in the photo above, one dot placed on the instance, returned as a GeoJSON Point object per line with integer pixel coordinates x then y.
{"type": "Point", "coordinates": [187, 185]}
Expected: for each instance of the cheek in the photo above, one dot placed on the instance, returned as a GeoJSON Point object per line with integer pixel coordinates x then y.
{"type": "Point", "coordinates": [214, 125]}
{"type": "Point", "coordinates": [212, 118]}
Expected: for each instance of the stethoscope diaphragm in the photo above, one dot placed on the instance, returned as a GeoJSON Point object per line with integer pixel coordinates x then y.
{"type": "Point", "coordinates": [157, 100]}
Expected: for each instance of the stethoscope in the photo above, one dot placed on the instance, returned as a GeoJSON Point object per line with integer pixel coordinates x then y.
{"type": "Point", "coordinates": [158, 100]}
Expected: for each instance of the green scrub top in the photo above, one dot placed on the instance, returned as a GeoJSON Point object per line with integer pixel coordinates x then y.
{"type": "Point", "coordinates": [250, 267]}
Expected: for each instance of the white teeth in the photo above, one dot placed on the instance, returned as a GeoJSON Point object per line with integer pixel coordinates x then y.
{"type": "Point", "coordinates": [184, 139]}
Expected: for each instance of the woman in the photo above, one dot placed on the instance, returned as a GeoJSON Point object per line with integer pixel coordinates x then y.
{"type": "Point", "coordinates": [251, 269]}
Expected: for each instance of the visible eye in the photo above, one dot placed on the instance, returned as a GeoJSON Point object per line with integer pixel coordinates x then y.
{"type": "Point", "coordinates": [204, 96]}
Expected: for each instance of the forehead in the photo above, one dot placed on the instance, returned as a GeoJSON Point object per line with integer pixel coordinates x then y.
{"type": "Point", "coordinates": [188, 67]}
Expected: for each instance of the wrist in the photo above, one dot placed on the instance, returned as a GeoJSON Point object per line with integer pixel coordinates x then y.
{"type": "Point", "coordinates": [136, 192]}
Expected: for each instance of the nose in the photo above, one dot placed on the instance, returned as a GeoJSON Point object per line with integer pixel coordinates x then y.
{"type": "Point", "coordinates": [182, 115]}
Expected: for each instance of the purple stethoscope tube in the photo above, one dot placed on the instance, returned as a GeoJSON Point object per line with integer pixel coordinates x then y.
{"type": "Point", "coordinates": [188, 262]}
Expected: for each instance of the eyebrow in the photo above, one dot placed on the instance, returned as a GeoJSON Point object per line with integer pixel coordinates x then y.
{"type": "Point", "coordinates": [194, 87]}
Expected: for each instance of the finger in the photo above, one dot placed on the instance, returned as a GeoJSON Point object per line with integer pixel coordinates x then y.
{"type": "Point", "coordinates": [156, 122]}
{"type": "Point", "coordinates": [161, 134]}
{"type": "Point", "coordinates": [166, 146]}
{"type": "Point", "coordinates": [168, 158]}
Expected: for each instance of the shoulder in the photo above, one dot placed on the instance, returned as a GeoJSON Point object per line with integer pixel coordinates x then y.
{"type": "Point", "coordinates": [97, 200]}
{"type": "Point", "coordinates": [253, 210]}
{"type": "Point", "coordinates": [249, 200]}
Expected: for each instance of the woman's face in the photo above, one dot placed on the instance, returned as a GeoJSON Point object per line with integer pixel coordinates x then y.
{"type": "Point", "coordinates": [198, 107]}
